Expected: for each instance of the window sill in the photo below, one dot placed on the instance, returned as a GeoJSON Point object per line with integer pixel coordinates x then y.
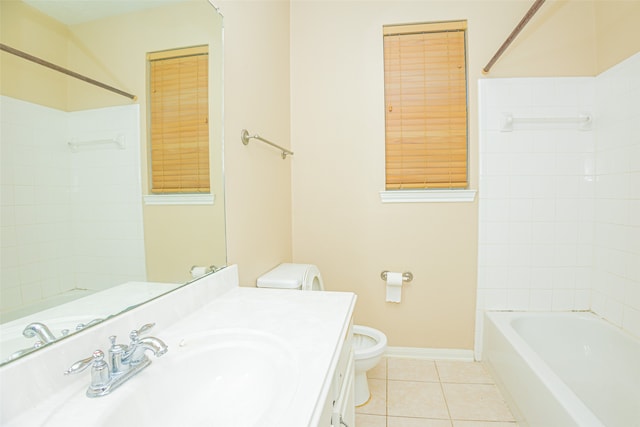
{"type": "Point", "coordinates": [427, 196]}
{"type": "Point", "coordinates": [179, 199]}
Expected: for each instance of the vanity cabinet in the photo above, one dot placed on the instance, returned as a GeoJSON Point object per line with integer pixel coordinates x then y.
{"type": "Point", "coordinates": [339, 406]}
{"type": "Point", "coordinates": [344, 407]}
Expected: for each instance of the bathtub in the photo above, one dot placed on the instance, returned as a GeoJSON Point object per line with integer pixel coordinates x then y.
{"type": "Point", "coordinates": [564, 369]}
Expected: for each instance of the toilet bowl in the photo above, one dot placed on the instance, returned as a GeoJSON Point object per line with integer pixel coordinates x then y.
{"type": "Point", "coordinates": [369, 344]}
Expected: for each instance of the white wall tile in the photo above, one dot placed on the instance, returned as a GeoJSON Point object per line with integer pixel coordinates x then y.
{"type": "Point", "coordinates": [582, 300]}
{"type": "Point", "coordinates": [549, 188]}
{"type": "Point", "coordinates": [541, 300]}
{"type": "Point", "coordinates": [569, 192]}
{"type": "Point", "coordinates": [572, 206]}
{"type": "Point", "coordinates": [563, 300]}
{"type": "Point", "coordinates": [38, 186]}
{"type": "Point", "coordinates": [494, 299]}
{"type": "Point", "coordinates": [518, 299]}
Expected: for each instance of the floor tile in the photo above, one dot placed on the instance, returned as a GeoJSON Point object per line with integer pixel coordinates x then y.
{"type": "Point", "coordinates": [377, 404]}
{"type": "Point", "coordinates": [416, 422]}
{"type": "Point", "coordinates": [476, 402]}
{"type": "Point", "coordinates": [451, 371]}
{"type": "Point", "coordinates": [367, 420]}
{"type": "Point", "coordinates": [379, 371]}
{"type": "Point", "coordinates": [416, 399]}
{"type": "Point", "coordinates": [423, 393]}
{"type": "Point", "coordinates": [412, 370]}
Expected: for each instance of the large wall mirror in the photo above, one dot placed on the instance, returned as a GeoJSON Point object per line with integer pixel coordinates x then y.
{"type": "Point", "coordinates": [81, 239]}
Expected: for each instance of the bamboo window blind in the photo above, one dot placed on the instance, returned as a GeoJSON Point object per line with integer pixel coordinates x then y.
{"type": "Point", "coordinates": [179, 121]}
{"type": "Point", "coordinates": [426, 106]}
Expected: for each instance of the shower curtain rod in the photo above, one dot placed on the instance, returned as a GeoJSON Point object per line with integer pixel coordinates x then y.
{"type": "Point", "coordinates": [532, 11]}
{"type": "Point", "coordinates": [62, 70]}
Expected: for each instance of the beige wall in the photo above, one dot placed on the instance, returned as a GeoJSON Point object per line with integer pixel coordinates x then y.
{"type": "Point", "coordinates": [337, 132]}
{"type": "Point", "coordinates": [24, 28]}
{"type": "Point", "coordinates": [258, 180]}
{"type": "Point", "coordinates": [617, 31]}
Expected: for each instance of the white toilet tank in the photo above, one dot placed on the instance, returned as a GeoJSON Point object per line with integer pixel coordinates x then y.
{"type": "Point", "coordinates": [305, 277]}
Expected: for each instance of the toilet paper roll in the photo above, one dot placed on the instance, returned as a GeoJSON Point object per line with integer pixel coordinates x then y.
{"type": "Point", "coordinates": [197, 271]}
{"type": "Point", "coordinates": [394, 286]}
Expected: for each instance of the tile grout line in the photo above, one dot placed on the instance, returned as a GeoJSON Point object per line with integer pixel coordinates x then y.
{"type": "Point", "coordinates": [489, 381]}
{"type": "Point", "coordinates": [386, 391]}
{"type": "Point", "coordinates": [443, 395]}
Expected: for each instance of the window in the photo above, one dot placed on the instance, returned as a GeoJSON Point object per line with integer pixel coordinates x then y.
{"type": "Point", "coordinates": [426, 106]}
{"type": "Point", "coordinates": [179, 121]}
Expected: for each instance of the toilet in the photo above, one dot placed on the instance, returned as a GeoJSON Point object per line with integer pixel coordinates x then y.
{"type": "Point", "coordinates": [369, 344]}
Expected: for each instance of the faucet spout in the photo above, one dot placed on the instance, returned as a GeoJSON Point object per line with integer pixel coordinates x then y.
{"type": "Point", "coordinates": [156, 345]}
{"type": "Point", "coordinates": [40, 330]}
{"type": "Point", "coordinates": [138, 348]}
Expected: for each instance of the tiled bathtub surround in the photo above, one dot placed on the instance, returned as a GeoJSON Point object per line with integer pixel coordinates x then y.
{"type": "Point", "coordinates": [67, 213]}
{"type": "Point", "coordinates": [536, 196]}
{"type": "Point", "coordinates": [616, 283]}
{"type": "Point", "coordinates": [559, 205]}
{"type": "Point", "coordinates": [427, 393]}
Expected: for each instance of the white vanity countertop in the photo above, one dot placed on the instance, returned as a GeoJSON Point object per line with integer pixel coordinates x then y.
{"type": "Point", "coordinates": [313, 324]}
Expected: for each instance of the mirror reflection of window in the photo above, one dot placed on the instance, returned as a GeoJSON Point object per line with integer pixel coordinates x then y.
{"type": "Point", "coordinates": [179, 120]}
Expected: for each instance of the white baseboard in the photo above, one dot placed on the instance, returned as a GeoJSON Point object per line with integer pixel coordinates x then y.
{"type": "Point", "coordinates": [431, 353]}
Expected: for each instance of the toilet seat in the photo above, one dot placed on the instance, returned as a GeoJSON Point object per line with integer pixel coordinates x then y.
{"type": "Point", "coordinates": [368, 342]}
{"type": "Point", "coordinates": [304, 277]}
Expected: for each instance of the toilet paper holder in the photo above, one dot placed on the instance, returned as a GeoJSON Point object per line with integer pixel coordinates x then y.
{"type": "Point", "coordinates": [407, 276]}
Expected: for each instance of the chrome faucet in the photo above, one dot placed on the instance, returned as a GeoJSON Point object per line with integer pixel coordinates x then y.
{"type": "Point", "coordinates": [40, 330]}
{"type": "Point", "coordinates": [126, 361]}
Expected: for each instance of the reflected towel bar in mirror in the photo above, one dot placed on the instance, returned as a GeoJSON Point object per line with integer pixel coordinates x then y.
{"type": "Point", "coordinates": [245, 137]}
{"type": "Point", "coordinates": [118, 141]}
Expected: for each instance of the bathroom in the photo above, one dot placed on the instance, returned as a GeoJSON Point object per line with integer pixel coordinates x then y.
{"type": "Point", "coordinates": [322, 205]}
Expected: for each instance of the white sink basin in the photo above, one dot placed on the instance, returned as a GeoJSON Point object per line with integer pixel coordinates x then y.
{"type": "Point", "coordinates": [230, 378]}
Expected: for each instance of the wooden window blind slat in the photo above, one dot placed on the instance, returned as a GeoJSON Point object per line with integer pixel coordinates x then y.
{"type": "Point", "coordinates": [426, 106]}
{"type": "Point", "coordinates": [179, 116]}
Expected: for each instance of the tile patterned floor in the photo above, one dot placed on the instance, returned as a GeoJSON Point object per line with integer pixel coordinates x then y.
{"type": "Point", "coordinates": [427, 393]}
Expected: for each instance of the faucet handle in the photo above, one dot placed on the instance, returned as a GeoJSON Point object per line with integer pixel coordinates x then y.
{"type": "Point", "coordinates": [96, 359]}
{"type": "Point", "coordinates": [144, 328]}
{"type": "Point", "coordinates": [133, 335]}
{"type": "Point", "coordinates": [100, 373]}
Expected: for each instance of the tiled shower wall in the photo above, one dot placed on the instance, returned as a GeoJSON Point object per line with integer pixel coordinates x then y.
{"type": "Point", "coordinates": [36, 241]}
{"type": "Point", "coordinates": [63, 212]}
{"type": "Point", "coordinates": [536, 196]}
{"type": "Point", "coordinates": [106, 201]}
{"type": "Point", "coordinates": [616, 283]}
{"type": "Point", "coordinates": [560, 202]}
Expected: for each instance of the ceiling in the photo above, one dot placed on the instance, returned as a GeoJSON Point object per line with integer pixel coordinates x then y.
{"type": "Point", "coordinates": [71, 12]}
